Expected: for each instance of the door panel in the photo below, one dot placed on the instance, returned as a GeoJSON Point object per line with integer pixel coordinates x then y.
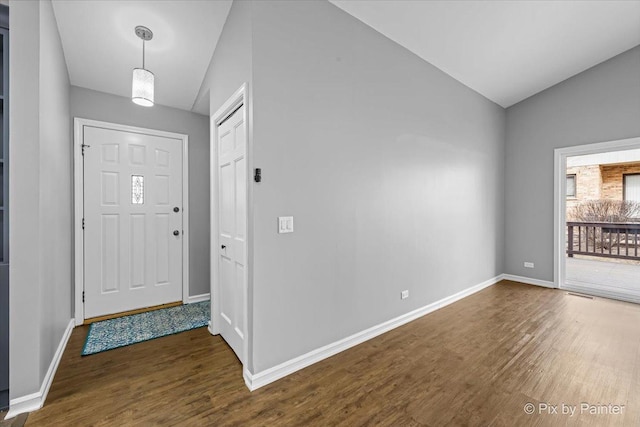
{"type": "Point", "coordinates": [110, 264]}
{"type": "Point", "coordinates": [162, 249]}
{"type": "Point", "coordinates": [132, 259]}
{"type": "Point", "coordinates": [232, 212]}
{"type": "Point", "coordinates": [240, 298]}
{"type": "Point", "coordinates": [138, 250]}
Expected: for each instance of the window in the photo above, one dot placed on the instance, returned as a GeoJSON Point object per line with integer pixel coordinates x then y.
{"type": "Point", "coordinates": [631, 187]}
{"type": "Point", "coordinates": [571, 185]}
{"type": "Point", "coordinates": [137, 189]}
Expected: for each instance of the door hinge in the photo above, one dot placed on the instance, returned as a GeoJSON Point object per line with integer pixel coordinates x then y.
{"type": "Point", "coordinates": [82, 296]}
{"type": "Point", "coordinates": [83, 223]}
{"type": "Point", "coordinates": [83, 147]}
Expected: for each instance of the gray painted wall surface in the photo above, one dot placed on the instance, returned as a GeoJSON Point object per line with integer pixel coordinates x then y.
{"type": "Point", "coordinates": [600, 104]}
{"type": "Point", "coordinates": [24, 293]}
{"type": "Point", "coordinates": [90, 104]}
{"type": "Point", "coordinates": [378, 155]}
{"type": "Point", "coordinates": [40, 195]}
{"type": "Point", "coordinates": [392, 169]}
{"type": "Point", "coordinates": [230, 65]}
{"type": "Point", "coordinates": [56, 188]}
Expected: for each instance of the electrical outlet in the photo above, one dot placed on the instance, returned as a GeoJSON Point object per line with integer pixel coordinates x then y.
{"type": "Point", "coordinates": [404, 294]}
{"type": "Point", "coordinates": [528, 264]}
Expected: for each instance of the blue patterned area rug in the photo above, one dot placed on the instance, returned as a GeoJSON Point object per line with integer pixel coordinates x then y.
{"type": "Point", "coordinates": [123, 331]}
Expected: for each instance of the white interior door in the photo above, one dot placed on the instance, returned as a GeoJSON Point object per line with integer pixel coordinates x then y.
{"type": "Point", "coordinates": [232, 213]}
{"type": "Point", "coordinates": [132, 221]}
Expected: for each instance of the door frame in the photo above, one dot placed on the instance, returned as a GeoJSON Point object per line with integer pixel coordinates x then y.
{"type": "Point", "coordinates": [78, 203]}
{"type": "Point", "coordinates": [240, 97]}
{"type": "Point", "coordinates": [560, 203]}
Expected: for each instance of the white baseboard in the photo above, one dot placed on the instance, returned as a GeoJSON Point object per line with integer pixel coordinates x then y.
{"type": "Point", "coordinates": [529, 280]}
{"type": "Point", "coordinates": [34, 401]}
{"type": "Point", "coordinates": [198, 298]}
{"type": "Point", "coordinates": [260, 379]}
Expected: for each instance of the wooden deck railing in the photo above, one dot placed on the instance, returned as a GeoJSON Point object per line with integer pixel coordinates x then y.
{"type": "Point", "coordinates": [604, 239]}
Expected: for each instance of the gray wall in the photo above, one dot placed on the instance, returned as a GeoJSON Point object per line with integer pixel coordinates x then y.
{"type": "Point", "coordinates": [600, 104]}
{"type": "Point", "coordinates": [90, 104]}
{"type": "Point", "coordinates": [230, 65]}
{"type": "Point", "coordinates": [40, 195]}
{"type": "Point", "coordinates": [392, 169]}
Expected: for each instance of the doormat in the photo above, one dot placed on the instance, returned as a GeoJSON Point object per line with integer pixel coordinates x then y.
{"type": "Point", "coordinates": [127, 330]}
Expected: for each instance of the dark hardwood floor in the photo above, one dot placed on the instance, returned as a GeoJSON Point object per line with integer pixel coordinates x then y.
{"type": "Point", "coordinates": [12, 422]}
{"type": "Point", "coordinates": [477, 362]}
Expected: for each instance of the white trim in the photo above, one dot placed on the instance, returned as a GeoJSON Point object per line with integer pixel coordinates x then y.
{"type": "Point", "coordinates": [559, 201]}
{"type": "Point", "coordinates": [529, 281]}
{"type": "Point", "coordinates": [185, 218]}
{"type": "Point", "coordinates": [198, 298]}
{"type": "Point", "coordinates": [78, 209]}
{"type": "Point", "coordinates": [34, 401]}
{"type": "Point", "coordinates": [213, 227]}
{"type": "Point", "coordinates": [240, 97]}
{"type": "Point", "coordinates": [260, 379]}
{"type": "Point", "coordinates": [559, 215]}
{"type": "Point", "coordinates": [78, 202]}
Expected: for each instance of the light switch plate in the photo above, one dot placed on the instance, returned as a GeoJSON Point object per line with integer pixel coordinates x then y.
{"type": "Point", "coordinates": [285, 224]}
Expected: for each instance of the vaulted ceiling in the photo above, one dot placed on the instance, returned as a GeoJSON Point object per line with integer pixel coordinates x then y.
{"type": "Point", "coordinates": [101, 48]}
{"type": "Point", "coordinates": [505, 50]}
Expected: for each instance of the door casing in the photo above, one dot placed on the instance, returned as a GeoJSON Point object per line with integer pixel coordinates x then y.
{"type": "Point", "coordinates": [238, 98]}
{"type": "Point", "coordinates": [560, 203]}
{"type": "Point", "coordinates": [78, 203]}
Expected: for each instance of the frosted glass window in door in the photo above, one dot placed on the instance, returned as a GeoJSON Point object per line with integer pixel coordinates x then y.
{"type": "Point", "coordinates": [137, 189]}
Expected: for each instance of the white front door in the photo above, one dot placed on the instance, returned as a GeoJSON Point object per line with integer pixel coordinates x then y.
{"type": "Point", "coordinates": [232, 213]}
{"type": "Point", "coordinates": [132, 221]}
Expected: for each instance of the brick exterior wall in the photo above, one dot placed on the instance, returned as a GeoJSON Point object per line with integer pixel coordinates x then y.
{"type": "Point", "coordinates": [595, 182]}
{"type": "Point", "coordinates": [588, 184]}
{"type": "Point", "coordinates": [612, 179]}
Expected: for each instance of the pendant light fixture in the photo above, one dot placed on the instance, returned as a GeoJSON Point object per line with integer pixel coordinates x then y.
{"type": "Point", "coordinates": [143, 79]}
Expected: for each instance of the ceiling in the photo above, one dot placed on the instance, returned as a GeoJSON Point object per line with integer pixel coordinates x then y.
{"type": "Point", "coordinates": [101, 48]}
{"type": "Point", "coordinates": [506, 50]}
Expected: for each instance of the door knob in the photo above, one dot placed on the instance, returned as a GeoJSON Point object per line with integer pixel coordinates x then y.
{"type": "Point", "coordinates": [176, 233]}
{"type": "Point", "coordinates": [176, 209]}
{"type": "Point", "coordinates": [223, 246]}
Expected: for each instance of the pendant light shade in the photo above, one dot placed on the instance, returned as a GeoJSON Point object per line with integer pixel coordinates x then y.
{"type": "Point", "coordinates": [142, 87]}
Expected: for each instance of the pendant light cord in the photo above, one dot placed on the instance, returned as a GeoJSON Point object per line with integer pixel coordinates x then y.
{"type": "Point", "coordinates": [143, 55]}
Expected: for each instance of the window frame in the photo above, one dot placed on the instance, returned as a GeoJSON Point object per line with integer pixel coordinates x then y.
{"type": "Point", "coordinates": [575, 186]}
{"type": "Point", "coordinates": [624, 183]}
